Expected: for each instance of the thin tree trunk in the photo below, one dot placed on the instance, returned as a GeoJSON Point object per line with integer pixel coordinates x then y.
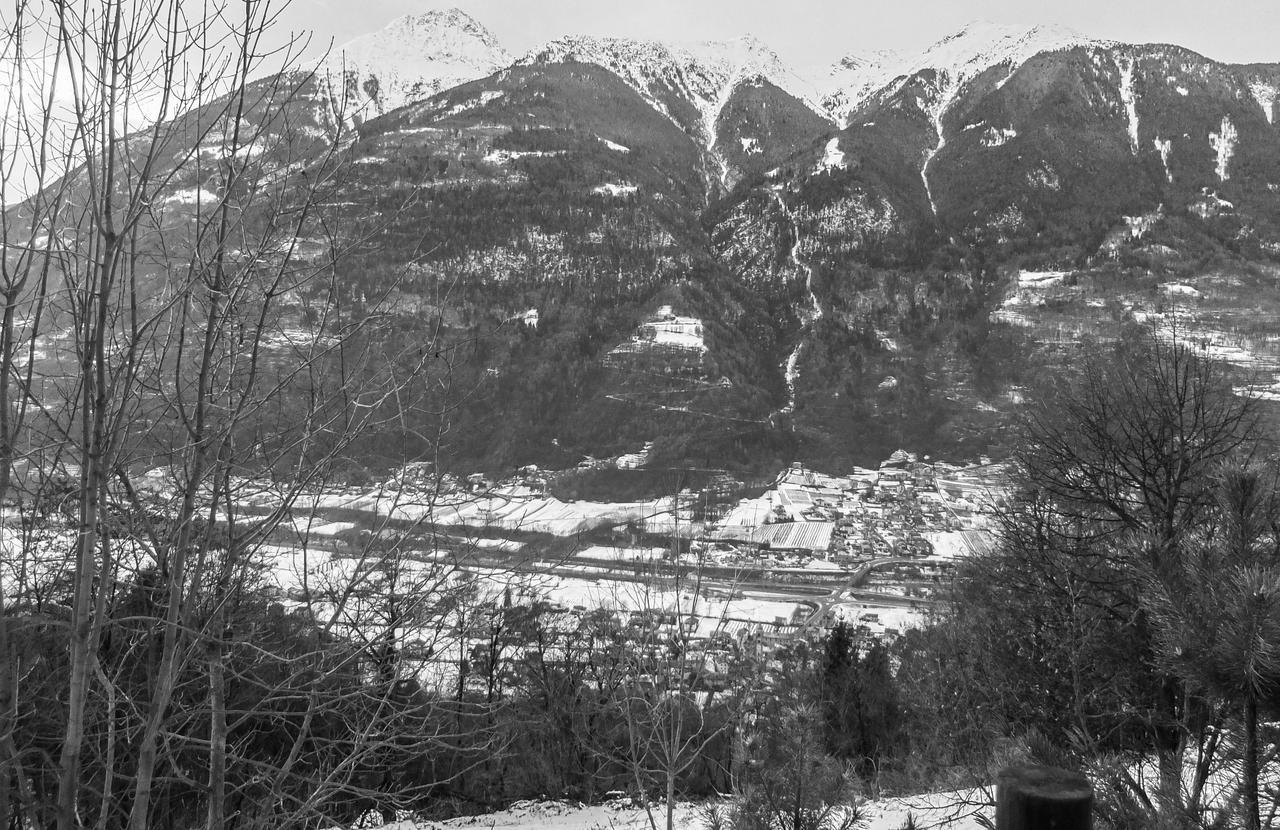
{"type": "Point", "coordinates": [1169, 746]}
{"type": "Point", "coordinates": [81, 648]}
{"type": "Point", "coordinates": [6, 672]}
{"type": "Point", "coordinates": [671, 798]}
{"type": "Point", "coordinates": [217, 729]}
{"type": "Point", "coordinates": [1252, 817]}
{"type": "Point", "coordinates": [109, 760]}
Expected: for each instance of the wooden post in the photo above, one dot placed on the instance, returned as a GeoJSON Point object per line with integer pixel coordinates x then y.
{"type": "Point", "coordinates": [1043, 798]}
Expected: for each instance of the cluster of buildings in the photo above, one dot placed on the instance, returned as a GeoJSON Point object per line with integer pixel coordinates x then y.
{"type": "Point", "coordinates": [818, 521]}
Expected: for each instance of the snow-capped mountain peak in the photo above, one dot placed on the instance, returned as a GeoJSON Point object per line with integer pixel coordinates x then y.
{"type": "Point", "coordinates": [413, 58]}
{"type": "Point", "coordinates": [706, 72]}
{"type": "Point", "coordinates": [981, 45]}
{"type": "Point", "coordinates": [957, 58]}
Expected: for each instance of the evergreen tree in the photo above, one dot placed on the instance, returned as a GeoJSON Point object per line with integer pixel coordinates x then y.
{"type": "Point", "coordinates": [877, 710]}
{"type": "Point", "coordinates": [858, 700]}
{"type": "Point", "coordinates": [1218, 611]}
{"type": "Point", "coordinates": [838, 692]}
{"type": "Point", "coordinates": [789, 782]}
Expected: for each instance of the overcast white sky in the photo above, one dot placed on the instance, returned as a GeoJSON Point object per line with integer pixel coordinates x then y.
{"type": "Point", "coordinates": [818, 32]}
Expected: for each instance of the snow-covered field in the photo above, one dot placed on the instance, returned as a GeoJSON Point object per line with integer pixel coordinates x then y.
{"type": "Point", "coordinates": [508, 508]}
{"type": "Point", "coordinates": [948, 544]}
{"type": "Point", "coordinates": [666, 329]}
{"type": "Point", "coordinates": [878, 618]}
{"type": "Point", "coordinates": [622, 554]}
{"type": "Point", "coordinates": [956, 810]}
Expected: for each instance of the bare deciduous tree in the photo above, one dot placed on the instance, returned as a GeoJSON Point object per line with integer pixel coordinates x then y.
{"type": "Point", "coordinates": [176, 368]}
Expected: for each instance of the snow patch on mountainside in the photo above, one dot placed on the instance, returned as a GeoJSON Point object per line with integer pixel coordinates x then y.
{"type": "Point", "coordinates": [413, 58]}
{"type": "Point", "coordinates": [615, 189]}
{"type": "Point", "coordinates": [833, 158]}
{"type": "Point", "coordinates": [1267, 96]}
{"type": "Point", "coordinates": [791, 368]}
{"type": "Point", "coordinates": [1133, 230]}
{"type": "Point", "coordinates": [1129, 98]}
{"type": "Point", "coordinates": [998, 136]}
{"type": "Point", "coordinates": [483, 99]}
{"type": "Point", "coordinates": [502, 157]}
{"type": "Point", "coordinates": [1224, 144]}
{"type": "Point", "coordinates": [1210, 204]}
{"type": "Point", "coordinates": [1165, 148]}
{"type": "Point", "coordinates": [944, 97]}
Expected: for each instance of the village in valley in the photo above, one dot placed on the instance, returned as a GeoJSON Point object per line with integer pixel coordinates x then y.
{"type": "Point", "coordinates": [722, 574]}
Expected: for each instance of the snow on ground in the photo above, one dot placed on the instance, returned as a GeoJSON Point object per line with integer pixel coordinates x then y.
{"type": "Point", "coordinates": [666, 329]}
{"type": "Point", "coordinates": [1267, 96]}
{"type": "Point", "coordinates": [246, 152]}
{"type": "Point", "coordinates": [1224, 144]}
{"type": "Point", "coordinates": [749, 513]}
{"type": "Point", "coordinates": [1262, 393]}
{"type": "Point", "coordinates": [1133, 230]}
{"type": "Point", "coordinates": [546, 815]}
{"type": "Point", "coordinates": [414, 57]}
{"type": "Point", "coordinates": [712, 611]}
{"type": "Point", "coordinates": [617, 148]}
{"type": "Point", "coordinates": [961, 56]}
{"type": "Point", "coordinates": [1029, 283]}
{"type": "Point", "coordinates": [1213, 344]}
{"type": "Point", "coordinates": [948, 544]}
{"type": "Point", "coordinates": [615, 189]}
{"type": "Point", "coordinates": [878, 617]}
{"type": "Point", "coordinates": [1178, 289]}
{"type": "Point", "coordinates": [191, 196]}
{"type": "Point", "coordinates": [635, 460]}
{"type": "Point", "coordinates": [294, 337]}
{"type": "Point", "coordinates": [833, 158]}
{"type": "Point", "coordinates": [708, 72]}
{"type": "Point", "coordinates": [1130, 100]}
{"type": "Point", "coordinates": [998, 136]}
{"type": "Point", "coordinates": [418, 131]}
{"type": "Point", "coordinates": [502, 157]}
{"type": "Point", "coordinates": [621, 554]}
{"type": "Point", "coordinates": [310, 527]}
{"type": "Point", "coordinates": [1165, 148]}
{"type": "Point", "coordinates": [1040, 279]}
{"type": "Point", "coordinates": [955, 810]}
{"type": "Point", "coordinates": [508, 508]}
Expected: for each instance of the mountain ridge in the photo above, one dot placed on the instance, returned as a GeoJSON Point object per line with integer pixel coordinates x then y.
{"type": "Point", "coordinates": [631, 242]}
{"type": "Point", "coordinates": [706, 68]}
{"type": "Point", "coordinates": [413, 57]}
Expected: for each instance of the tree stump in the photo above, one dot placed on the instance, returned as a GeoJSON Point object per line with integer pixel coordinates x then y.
{"type": "Point", "coordinates": [1043, 798]}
